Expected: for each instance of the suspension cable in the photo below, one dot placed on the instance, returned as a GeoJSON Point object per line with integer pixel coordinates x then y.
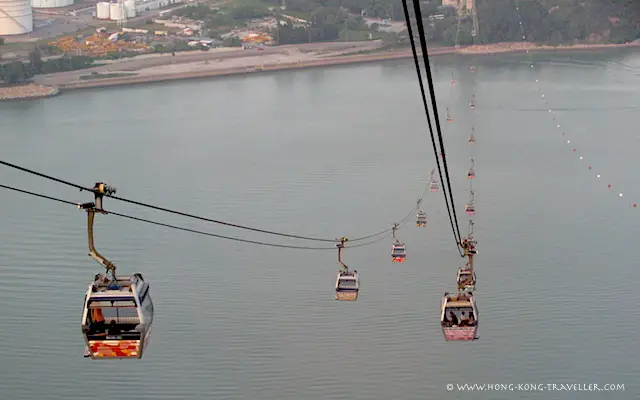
{"type": "Point", "coordinates": [432, 92]}
{"type": "Point", "coordinates": [188, 229]}
{"type": "Point", "coordinates": [82, 188]}
{"type": "Point", "coordinates": [456, 232]}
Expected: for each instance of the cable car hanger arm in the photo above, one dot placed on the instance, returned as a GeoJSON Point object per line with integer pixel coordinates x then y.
{"type": "Point", "coordinates": [99, 191]}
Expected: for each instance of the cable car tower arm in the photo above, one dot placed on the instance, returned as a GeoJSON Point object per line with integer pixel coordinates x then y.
{"type": "Point", "coordinates": [99, 191]}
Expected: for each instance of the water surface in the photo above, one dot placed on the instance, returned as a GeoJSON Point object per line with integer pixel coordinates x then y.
{"type": "Point", "coordinates": [339, 151]}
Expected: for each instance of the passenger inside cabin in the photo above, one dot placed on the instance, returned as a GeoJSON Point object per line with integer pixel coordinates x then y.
{"type": "Point", "coordinates": [467, 318]}
{"type": "Point", "coordinates": [453, 319]}
{"type": "Point", "coordinates": [113, 329]}
{"type": "Point", "coordinates": [97, 320]}
{"type": "Point", "coordinates": [471, 321]}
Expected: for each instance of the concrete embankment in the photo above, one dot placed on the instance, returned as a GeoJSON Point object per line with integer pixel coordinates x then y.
{"type": "Point", "coordinates": [26, 92]}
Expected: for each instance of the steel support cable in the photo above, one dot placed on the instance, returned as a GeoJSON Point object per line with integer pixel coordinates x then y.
{"type": "Point", "coordinates": [71, 184]}
{"type": "Point", "coordinates": [81, 188]}
{"type": "Point", "coordinates": [416, 60]}
{"type": "Point", "coordinates": [188, 229]}
{"type": "Point", "coordinates": [432, 92]}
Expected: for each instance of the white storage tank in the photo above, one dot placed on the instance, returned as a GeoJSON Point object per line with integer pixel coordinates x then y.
{"type": "Point", "coordinates": [130, 8]}
{"type": "Point", "coordinates": [116, 11]}
{"type": "Point", "coordinates": [103, 10]}
{"type": "Point", "coordinates": [51, 3]}
{"type": "Point", "coordinates": [16, 17]}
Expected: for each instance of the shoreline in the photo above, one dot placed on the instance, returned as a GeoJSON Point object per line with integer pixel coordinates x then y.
{"type": "Point", "coordinates": [338, 60]}
{"type": "Point", "coordinates": [259, 63]}
{"type": "Point", "coordinates": [29, 91]}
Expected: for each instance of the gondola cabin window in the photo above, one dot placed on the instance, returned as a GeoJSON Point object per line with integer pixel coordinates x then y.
{"type": "Point", "coordinates": [123, 312]}
{"type": "Point", "coordinates": [347, 283]}
{"type": "Point", "coordinates": [459, 316]}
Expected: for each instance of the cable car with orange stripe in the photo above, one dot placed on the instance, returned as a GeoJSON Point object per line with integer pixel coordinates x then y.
{"type": "Point", "coordinates": [117, 317]}
{"type": "Point", "coordinates": [421, 216]}
{"type": "Point", "coordinates": [118, 312]}
{"type": "Point", "coordinates": [398, 249]}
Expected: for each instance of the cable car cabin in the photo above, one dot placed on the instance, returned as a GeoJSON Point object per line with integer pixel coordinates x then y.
{"type": "Point", "coordinates": [459, 316]}
{"type": "Point", "coordinates": [398, 253]}
{"type": "Point", "coordinates": [472, 247]}
{"type": "Point", "coordinates": [347, 285]}
{"type": "Point", "coordinates": [434, 186]}
{"type": "Point", "coordinates": [421, 219]}
{"type": "Point", "coordinates": [472, 139]}
{"type": "Point", "coordinates": [117, 318]}
{"type": "Point", "coordinates": [471, 174]}
{"type": "Point", "coordinates": [466, 279]}
{"type": "Point", "coordinates": [470, 209]}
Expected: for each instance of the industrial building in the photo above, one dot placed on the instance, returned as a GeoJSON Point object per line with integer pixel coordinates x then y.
{"type": "Point", "coordinates": [16, 17]}
{"type": "Point", "coordinates": [51, 3]}
{"type": "Point", "coordinates": [126, 8]}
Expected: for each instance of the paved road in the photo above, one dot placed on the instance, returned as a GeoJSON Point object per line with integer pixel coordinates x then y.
{"type": "Point", "coordinates": [190, 57]}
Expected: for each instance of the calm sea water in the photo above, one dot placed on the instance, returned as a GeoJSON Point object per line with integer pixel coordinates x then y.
{"type": "Point", "coordinates": [341, 151]}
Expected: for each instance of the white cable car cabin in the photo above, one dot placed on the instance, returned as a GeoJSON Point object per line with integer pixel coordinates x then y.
{"type": "Point", "coordinates": [347, 285]}
{"type": "Point", "coordinates": [118, 312]}
{"type": "Point", "coordinates": [466, 279]}
{"type": "Point", "coordinates": [459, 316]}
{"type": "Point", "coordinates": [421, 219]}
{"type": "Point", "coordinates": [472, 173]}
{"type": "Point", "coordinates": [347, 282]}
{"type": "Point", "coordinates": [117, 317]}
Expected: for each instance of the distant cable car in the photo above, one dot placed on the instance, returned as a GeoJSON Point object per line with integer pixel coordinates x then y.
{"type": "Point", "coordinates": [472, 137]}
{"type": "Point", "coordinates": [347, 282]}
{"type": "Point", "coordinates": [118, 312]}
{"type": "Point", "coordinates": [421, 219]}
{"type": "Point", "coordinates": [472, 68]}
{"type": "Point", "coordinates": [398, 253]}
{"type": "Point", "coordinates": [470, 207]}
{"type": "Point", "coordinates": [421, 216]}
{"type": "Point", "coordinates": [472, 103]}
{"type": "Point", "coordinates": [449, 118]}
{"type": "Point", "coordinates": [466, 278]}
{"type": "Point", "coordinates": [459, 316]}
{"type": "Point", "coordinates": [398, 249]}
{"type": "Point", "coordinates": [472, 170]}
{"type": "Point", "coordinates": [434, 186]}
